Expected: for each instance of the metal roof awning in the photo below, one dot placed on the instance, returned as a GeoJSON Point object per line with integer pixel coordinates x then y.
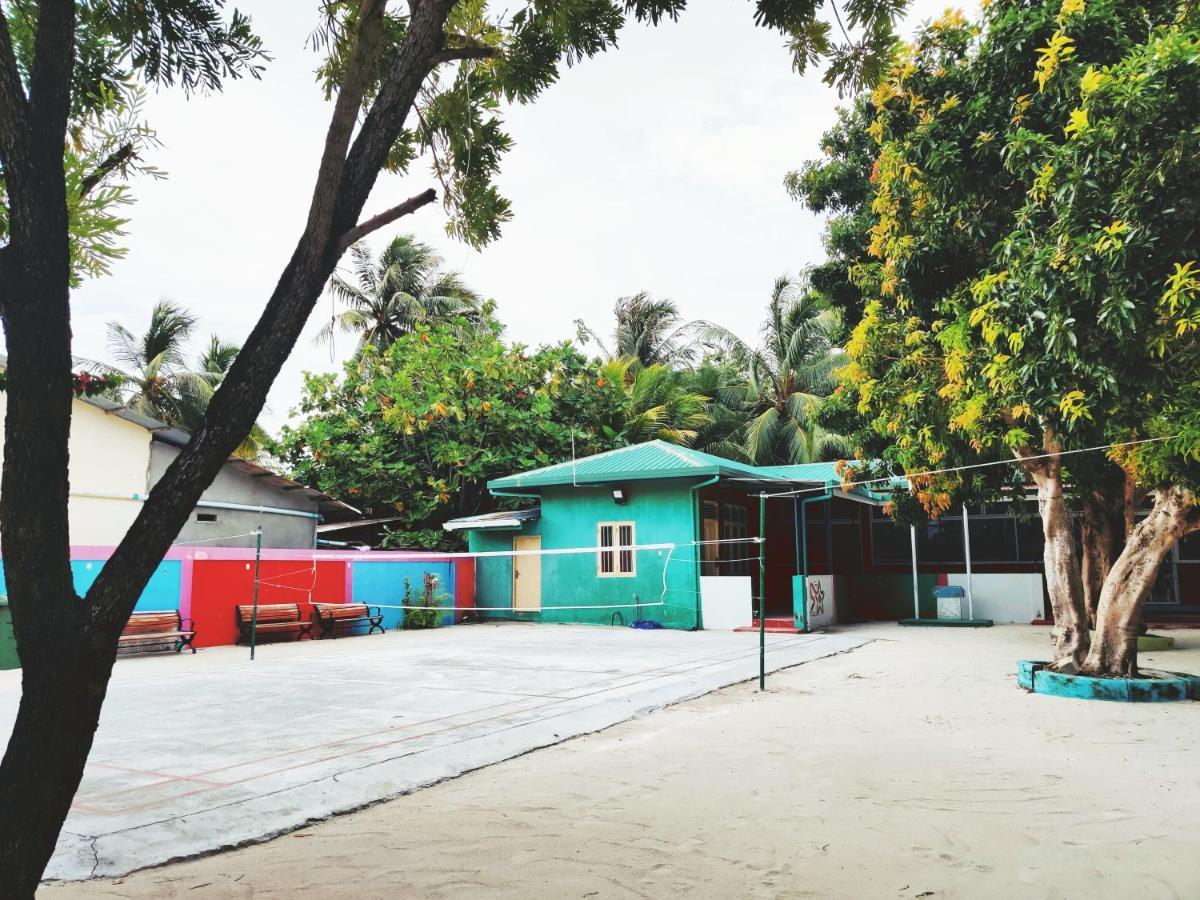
{"type": "Point", "coordinates": [504, 519]}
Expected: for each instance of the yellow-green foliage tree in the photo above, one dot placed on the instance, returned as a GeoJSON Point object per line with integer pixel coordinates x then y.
{"type": "Point", "coordinates": [1016, 269]}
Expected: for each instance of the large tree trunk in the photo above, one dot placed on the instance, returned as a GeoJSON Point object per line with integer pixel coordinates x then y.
{"type": "Point", "coordinates": [1102, 535]}
{"type": "Point", "coordinates": [67, 645]}
{"type": "Point", "coordinates": [63, 689]}
{"type": "Point", "coordinates": [1063, 579]}
{"type": "Point", "coordinates": [1119, 618]}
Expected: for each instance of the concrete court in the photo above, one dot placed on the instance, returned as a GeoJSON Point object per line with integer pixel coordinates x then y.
{"type": "Point", "coordinates": [194, 754]}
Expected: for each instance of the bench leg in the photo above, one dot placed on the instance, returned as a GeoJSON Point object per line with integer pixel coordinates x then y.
{"type": "Point", "coordinates": [186, 642]}
{"type": "Point", "coordinates": [375, 625]}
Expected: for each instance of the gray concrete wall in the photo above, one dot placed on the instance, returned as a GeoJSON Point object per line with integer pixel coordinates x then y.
{"type": "Point", "coordinates": [234, 486]}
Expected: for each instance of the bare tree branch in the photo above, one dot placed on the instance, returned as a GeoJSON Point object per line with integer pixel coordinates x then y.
{"type": "Point", "coordinates": [14, 108]}
{"type": "Point", "coordinates": [471, 51]}
{"type": "Point", "coordinates": [362, 229]}
{"type": "Point", "coordinates": [346, 107]}
{"type": "Point", "coordinates": [115, 160]}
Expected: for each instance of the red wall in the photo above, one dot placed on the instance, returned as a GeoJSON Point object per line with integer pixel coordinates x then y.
{"type": "Point", "coordinates": [464, 586]}
{"type": "Point", "coordinates": [219, 585]}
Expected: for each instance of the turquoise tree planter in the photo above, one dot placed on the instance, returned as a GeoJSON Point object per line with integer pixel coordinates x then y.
{"type": "Point", "coordinates": [1152, 687]}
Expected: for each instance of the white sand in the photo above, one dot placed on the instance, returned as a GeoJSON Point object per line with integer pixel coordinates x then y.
{"type": "Point", "coordinates": [912, 767]}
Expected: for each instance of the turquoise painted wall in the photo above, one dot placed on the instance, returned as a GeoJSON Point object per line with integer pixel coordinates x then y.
{"type": "Point", "coordinates": [382, 584]}
{"type": "Point", "coordinates": [161, 593]}
{"type": "Point", "coordinates": [662, 513]}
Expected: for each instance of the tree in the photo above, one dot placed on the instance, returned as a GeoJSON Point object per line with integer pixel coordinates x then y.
{"type": "Point", "coordinates": [151, 365]}
{"type": "Point", "coordinates": [656, 403]}
{"type": "Point", "coordinates": [415, 431]}
{"type": "Point", "coordinates": [195, 393]}
{"type": "Point", "coordinates": [390, 296]}
{"type": "Point", "coordinates": [789, 372]}
{"type": "Point", "coordinates": [444, 64]}
{"type": "Point", "coordinates": [153, 376]}
{"type": "Point", "coordinates": [649, 331]}
{"type": "Point", "coordinates": [1107, 254]}
{"type": "Point", "coordinates": [1014, 278]}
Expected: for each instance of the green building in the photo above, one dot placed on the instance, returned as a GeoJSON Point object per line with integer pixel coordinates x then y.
{"type": "Point", "coordinates": [662, 533]}
{"type": "Point", "coordinates": [637, 534]}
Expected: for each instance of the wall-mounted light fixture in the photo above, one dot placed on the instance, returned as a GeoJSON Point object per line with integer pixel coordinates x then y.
{"type": "Point", "coordinates": [619, 496]}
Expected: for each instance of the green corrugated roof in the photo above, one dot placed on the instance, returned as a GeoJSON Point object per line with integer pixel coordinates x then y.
{"type": "Point", "coordinates": [657, 459]}
{"type": "Point", "coordinates": [819, 472]}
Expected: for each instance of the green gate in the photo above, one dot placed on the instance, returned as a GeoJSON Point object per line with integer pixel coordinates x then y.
{"type": "Point", "coordinates": [8, 640]}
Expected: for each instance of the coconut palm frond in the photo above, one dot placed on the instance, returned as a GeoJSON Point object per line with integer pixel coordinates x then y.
{"type": "Point", "coordinates": [393, 293]}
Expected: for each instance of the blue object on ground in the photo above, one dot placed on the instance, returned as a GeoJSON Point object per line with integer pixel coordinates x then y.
{"type": "Point", "coordinates": [645, 624]}
{"type": "Point", "coordinates": [1154, 687]}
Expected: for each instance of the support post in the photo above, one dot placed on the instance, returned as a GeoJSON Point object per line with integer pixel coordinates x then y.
{"type": "Point", "coordinates": [796, 529]}
{"type": "Point", "coordinates": [912, 530]}
{"type": "Point", "coordinates": [967, 553]}
{"type": "Point", "coordinates": [254, 611]}
{"type": "Point", "coordinates": [762, 592]}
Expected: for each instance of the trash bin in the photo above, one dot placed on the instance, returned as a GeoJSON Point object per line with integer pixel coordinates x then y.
{"type": "Point", "coordinates": [8, 640]}
{"type": "Point", "coordinates": [949, 600]}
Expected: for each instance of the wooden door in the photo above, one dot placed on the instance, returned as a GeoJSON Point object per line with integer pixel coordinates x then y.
{"type": "Point", "coordinates": [527, 573]}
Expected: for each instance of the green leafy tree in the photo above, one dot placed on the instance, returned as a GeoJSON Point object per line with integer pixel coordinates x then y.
{"type": "Point", "coordinates": [656, 403]}
{"type": "Point", "coordinates": [971, 343]}
{"type": "Point", "coordinates": [789, 371]}
{"type": "Point", "coordinates": [425, 80]}
{"type": "Point", "coordinates": [389, 296]}
{"type": "Point", "coordinates": [416, 430]}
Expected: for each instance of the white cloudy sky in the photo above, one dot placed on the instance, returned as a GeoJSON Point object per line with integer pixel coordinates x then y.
{"type": "Point", "coordinates": [658, 166]}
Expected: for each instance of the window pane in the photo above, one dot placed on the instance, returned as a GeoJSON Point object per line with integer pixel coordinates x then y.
{"type": "Point", "coordinates": [626, 540]}
{"type": "Point", "coordinates": [890, 542]}
{"type": "Point", "coordinates": [993, 540]}
{"type": "Point", "coordinates": [1030, 540]}
{"type": "Point", "coordinates": [606, 557]}
{"type": "Point", "coordinates": [1189, 547]}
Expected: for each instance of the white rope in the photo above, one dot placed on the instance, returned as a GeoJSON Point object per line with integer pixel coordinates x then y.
{"type": "Point", "coordinates": [224, 537]}
{"type": "Point", "coordinates": [455, 609]}
{"type": "Point", "coordinates": [983, 465]}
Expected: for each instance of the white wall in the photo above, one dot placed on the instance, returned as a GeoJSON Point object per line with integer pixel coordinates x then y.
{"type": "Point", "coordinates": [1005, 598]}
{"type": "Point", "coordinates": [110, 458]}
{"type": "Point", "coordinates": [725, 602]}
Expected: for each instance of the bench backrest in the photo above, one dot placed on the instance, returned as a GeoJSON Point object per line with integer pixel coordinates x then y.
{"type": "Point", "coordinates": [270, 612]}
{"type": "Point", "coordinates": [152, 622]}
{"type": "Point", "coordinates": [341, 610]}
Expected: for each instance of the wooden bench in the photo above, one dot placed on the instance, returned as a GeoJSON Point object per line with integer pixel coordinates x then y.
{"type": "Point", "coordinates": [273, 618]}
{"type": "Point", "coordinates": [146, 629]}
{"type": "Point", "coordinates": [330, 615]}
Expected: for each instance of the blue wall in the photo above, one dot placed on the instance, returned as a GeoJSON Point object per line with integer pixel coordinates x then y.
{"type": "Point", "coordinates": [381, 583]}
{"type": "Point", "coordinates": [162, 590]}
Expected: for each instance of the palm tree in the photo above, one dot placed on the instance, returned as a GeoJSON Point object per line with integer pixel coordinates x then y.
{"type": "Point", "coordinates": [388, 296]}
{"type": "Point", "coordinates": [727, 409]}
{"type": "Point", "coordinates": [195, 393]}
{"type": "Point", "coordinates": [156, 380]}
{"type": "Point", "coordinates": [657, 403]}
{"type": "Point", "coordinates": [151, 364]}
{"type": "Point", "coordinates": [789, 372]}
{"type": "Point", "coordinates": [650, 331]}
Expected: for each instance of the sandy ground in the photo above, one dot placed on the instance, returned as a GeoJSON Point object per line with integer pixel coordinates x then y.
{"type": "Point", "coordinates": [911, 767]}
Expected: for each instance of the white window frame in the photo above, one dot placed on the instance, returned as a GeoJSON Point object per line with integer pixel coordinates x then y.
{"type": "Point", "coordinates": [613, 550]}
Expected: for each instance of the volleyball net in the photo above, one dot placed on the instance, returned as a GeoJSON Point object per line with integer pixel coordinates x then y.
{"type": "Point", "coordinates": [613, 581]}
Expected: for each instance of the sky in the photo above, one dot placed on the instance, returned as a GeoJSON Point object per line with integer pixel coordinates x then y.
{"type": "Point", "coordinates": [658, 166]}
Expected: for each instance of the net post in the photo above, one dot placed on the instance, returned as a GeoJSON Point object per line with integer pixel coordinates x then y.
{"type": "Point", "coordinates": [254, 611]}
{"type": "Point", "coordinates": [762, 591]}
